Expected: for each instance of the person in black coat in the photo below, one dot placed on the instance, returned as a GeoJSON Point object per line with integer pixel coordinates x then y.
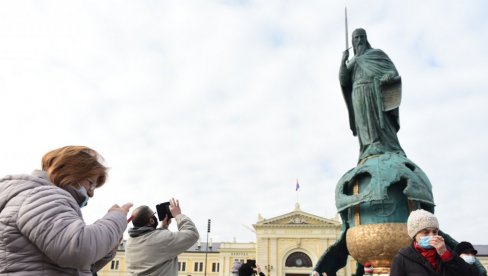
{"type": "Point", "coordinates": [428, 254]}
{"type": "Point", "coordinates": [250, 269]}
{"type": "Point", "coordinates": [467, 252]}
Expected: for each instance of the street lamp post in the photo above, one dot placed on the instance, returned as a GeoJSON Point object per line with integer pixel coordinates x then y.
{"type": "Point", "coordinates": [206, 247]}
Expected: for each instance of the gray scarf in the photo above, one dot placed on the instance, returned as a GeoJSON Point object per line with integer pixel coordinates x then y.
{"type": "Point", "coordinates": [139, 231]}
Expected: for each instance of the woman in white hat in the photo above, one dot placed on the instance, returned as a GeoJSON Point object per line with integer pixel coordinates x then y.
{"type": "Point", "coordinates": [428, 254]}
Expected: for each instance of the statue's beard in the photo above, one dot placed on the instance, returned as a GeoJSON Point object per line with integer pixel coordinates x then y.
{"type": "Point", "coordinates": [360, 49]}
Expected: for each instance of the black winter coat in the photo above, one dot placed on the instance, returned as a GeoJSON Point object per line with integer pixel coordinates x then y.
{"type": "Point", "coordinates": [409, 262]}
{"type": "Point", "coordinates": [247, 270]}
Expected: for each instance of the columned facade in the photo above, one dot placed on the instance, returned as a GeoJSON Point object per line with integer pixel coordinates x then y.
{"type": "Point", "coordinates": [291, 244]}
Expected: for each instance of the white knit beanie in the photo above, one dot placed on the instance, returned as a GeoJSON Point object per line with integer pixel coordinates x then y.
{"type": "Point", "coordinates": [420, 219]}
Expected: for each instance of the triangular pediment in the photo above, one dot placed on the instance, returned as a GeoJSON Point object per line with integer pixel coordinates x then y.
{"type": "Point", "coordinates": [297, 217]}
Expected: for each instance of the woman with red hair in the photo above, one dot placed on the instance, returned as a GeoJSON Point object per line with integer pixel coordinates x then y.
{"type": "Point", "coordinates": [41, 226]}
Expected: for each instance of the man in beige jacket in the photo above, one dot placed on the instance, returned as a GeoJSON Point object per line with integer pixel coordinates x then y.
{"type": "Point", "coordinates": [152, 251]}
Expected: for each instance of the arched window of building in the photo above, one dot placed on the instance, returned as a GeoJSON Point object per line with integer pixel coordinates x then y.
{"type": "Point", "coordinates": [298, 259]}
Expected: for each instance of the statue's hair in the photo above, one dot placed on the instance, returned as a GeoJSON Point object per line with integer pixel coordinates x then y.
{"type": "Point", "coordinates": [72, 164]}
{"type": "Point", "coordinates": [141, 214]}
{"type": "Point", "coordinates": [359, 30]}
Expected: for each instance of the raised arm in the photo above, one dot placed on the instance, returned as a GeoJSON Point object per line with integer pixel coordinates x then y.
{"type": "Point", "coordinates": [52, 221]}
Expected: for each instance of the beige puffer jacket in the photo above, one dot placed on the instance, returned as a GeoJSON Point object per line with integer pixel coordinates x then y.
{"type": "Point", "coordinates": [42, 231]}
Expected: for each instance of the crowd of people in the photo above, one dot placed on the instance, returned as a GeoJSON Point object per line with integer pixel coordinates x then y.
{"type": "Point", "coordinates": [43, 232]}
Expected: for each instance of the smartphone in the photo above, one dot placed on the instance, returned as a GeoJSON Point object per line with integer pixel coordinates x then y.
{"type": "Point", "coordinates": [163, 211]}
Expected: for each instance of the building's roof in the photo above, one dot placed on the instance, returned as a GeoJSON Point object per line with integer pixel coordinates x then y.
{"type": "Point", "coordinates": [202, 246]}
{"type": "Point", "coordinates": [482, 249]}
{"type": "Point", "coordinates": [215, 247]}
{"type": "Point", "coordinates": [197, 247]}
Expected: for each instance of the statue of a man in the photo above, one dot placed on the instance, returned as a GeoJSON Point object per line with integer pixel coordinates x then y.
{"type": "Point", "coordinates": [385, 185]}
{"type": "Point", "coordinates": [363, 80]}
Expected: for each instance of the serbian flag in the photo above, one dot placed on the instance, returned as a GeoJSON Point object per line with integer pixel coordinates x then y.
{"type": "Point", "coordinates": [298, 186]}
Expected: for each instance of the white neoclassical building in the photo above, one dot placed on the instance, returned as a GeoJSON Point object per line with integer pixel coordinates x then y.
{"type": "Point", "coordinates": [292, 243]}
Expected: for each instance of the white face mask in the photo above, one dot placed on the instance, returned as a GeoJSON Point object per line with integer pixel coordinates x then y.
{"type": "Point", "coordinates": [470, 259]}
{"type": "Point", "coordinates": [84, 193]}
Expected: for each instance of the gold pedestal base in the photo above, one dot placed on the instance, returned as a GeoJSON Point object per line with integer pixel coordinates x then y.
{"type": "Point", "coordinates": [377, 244]}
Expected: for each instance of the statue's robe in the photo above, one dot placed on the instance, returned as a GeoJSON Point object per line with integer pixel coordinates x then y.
{"type": "Point", "coordinates": [362, 88]}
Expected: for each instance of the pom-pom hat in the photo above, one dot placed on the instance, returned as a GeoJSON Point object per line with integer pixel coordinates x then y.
{"type": "Point", "coordinates": [420, 219]}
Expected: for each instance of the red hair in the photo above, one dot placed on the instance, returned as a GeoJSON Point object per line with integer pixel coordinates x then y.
{"type": "Point", "coordinates": [71, 164]}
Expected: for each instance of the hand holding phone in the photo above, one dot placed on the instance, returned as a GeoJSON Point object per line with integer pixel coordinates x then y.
{"type": "Point", "coordinates": [174, 207]}
{"type": "Point", "coordinates": [170, 208]}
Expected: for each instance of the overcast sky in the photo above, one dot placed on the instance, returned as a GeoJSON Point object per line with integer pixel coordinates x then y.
{"type": "Point", "coordinates": [225, 104]}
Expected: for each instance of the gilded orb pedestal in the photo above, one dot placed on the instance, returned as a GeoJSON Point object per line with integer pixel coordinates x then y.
{"type": "Point", "coordinates": [377, 244]}
{"type": "Point", "coordinates": [374, 200]}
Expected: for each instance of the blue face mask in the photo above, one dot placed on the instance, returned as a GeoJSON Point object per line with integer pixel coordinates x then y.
{"type": "Point", "coordinates": [470, 259]}
{"type": "Point", "coordinates": [83, 193]}
{"type": "Point", "coordinates": [425, 242]}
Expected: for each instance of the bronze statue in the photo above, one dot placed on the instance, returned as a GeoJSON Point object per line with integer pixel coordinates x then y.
{"type": "Point", "coordinates": [375, 198]}
{"type": "Point", "coordinates": [373, 117]}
